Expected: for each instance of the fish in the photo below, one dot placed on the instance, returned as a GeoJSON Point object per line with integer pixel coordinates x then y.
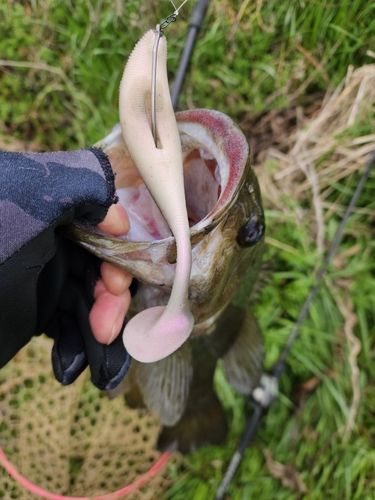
{"type": "Point", "coordinates": [227, 227]}
{"type": "Point", "coordinates": [224, 228]}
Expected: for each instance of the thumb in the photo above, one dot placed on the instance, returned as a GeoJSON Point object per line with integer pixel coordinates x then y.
{"type": "Point", "coordinates": [116, 221]}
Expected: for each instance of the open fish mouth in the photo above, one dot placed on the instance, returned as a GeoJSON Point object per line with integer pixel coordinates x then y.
{"type": "Point", "coordinates": [225, 217]}
{"type": "Point", "coordinates": [214, 158]}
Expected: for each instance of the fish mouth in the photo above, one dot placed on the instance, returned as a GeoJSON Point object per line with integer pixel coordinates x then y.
{"type": "Point", "coordinates": [214, 152]}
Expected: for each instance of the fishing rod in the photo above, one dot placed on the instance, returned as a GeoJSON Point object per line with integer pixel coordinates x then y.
{"type": "Point", "coordinates": [264, 395]}
{"type": "Point", "coordinates": [196, 22]}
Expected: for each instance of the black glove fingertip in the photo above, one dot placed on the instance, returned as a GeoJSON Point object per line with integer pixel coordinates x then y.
{"type": "Point", "coordinates": [119, 365]}
{"type": "Point", "coordinates": [69, 358]}
{"type": "Point", "coordinates": [113, 366]}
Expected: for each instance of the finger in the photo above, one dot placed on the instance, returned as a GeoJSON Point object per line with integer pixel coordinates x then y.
{"type": "Point", "coordinates": [115, 280]}
{"type": "Point", "coordinates": [99, 288]}
{"type": "Point", "coordinates": [107, 315]}
{"type": "Point", "coordinates": [116, 221]}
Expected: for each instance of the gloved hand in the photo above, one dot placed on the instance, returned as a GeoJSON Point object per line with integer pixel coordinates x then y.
{"type": "Point", "coordinates": [46, 281]}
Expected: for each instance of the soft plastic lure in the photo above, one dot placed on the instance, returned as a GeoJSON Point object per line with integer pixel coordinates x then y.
{"type": "Point", "coordinates": [157, 332]}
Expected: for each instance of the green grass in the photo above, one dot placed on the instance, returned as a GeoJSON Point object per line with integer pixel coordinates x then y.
{"type": "Point", "coordinates": [240, 66]}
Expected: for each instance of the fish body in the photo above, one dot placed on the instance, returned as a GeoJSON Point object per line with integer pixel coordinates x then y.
{"type": "Point", "coordinates": [226, 233]}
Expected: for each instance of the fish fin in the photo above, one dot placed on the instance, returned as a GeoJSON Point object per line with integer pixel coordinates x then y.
{"type": "Point", "coordinates": [129, 388]}
{"type": "Point", "coordinates": [197, 427]}
{"type": "Point", "coordinates": [203, 421]}
{"type": "Point", "coordinates": [243, 362]}
{"type": "Point", "coordinates": [165, 384]}
{"type": "Point", "coordinates": [134, 398]}
{"type": "Point", "coordinates": [126, 384]}
{"type": "Point", "coordinates": [122, 388]}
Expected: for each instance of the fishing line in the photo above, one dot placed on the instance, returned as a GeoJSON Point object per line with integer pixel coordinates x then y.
{"type": "Point", "coordinates": [264, 395]}
{"type": "Point", "coordinates": [158, 35]}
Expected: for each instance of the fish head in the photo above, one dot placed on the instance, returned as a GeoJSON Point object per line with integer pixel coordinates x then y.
{"type": "Point", "coordinates": [225, 217]}
{"type": "Point", "coordinates": [227, 242]}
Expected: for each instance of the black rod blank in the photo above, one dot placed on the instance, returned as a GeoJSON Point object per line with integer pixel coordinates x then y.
{"type": "Point", "coordinates": [195, 25]}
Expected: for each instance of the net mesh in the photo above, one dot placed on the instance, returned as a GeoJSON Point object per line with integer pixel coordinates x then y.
{"type": "Point", "coordinates": [72, 440]}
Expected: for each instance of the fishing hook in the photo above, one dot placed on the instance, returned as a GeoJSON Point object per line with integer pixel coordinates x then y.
{"type": "Point", "coordinates": [159, 32]}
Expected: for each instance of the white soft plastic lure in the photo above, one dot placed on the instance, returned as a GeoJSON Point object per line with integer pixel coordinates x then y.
{"type": "Point", "coordinates": [155, 333]}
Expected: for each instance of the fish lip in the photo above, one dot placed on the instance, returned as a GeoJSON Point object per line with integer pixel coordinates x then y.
{"type": "Point", "coordinates": [224, 140]}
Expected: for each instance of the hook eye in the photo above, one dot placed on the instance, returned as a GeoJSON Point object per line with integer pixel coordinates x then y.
{"type": "Point", "coordinates": [251, 232]}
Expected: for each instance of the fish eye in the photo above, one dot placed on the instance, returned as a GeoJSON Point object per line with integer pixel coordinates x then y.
{"type": "Point", "coordinates": [251, 232]}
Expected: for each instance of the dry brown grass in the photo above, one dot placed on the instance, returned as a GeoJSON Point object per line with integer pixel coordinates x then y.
{"type": "Point", "coordinates": [309, 149]}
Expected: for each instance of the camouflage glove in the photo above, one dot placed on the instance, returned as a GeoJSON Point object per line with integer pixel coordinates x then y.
{"type": "Point", "coordinates": [46, 281]}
